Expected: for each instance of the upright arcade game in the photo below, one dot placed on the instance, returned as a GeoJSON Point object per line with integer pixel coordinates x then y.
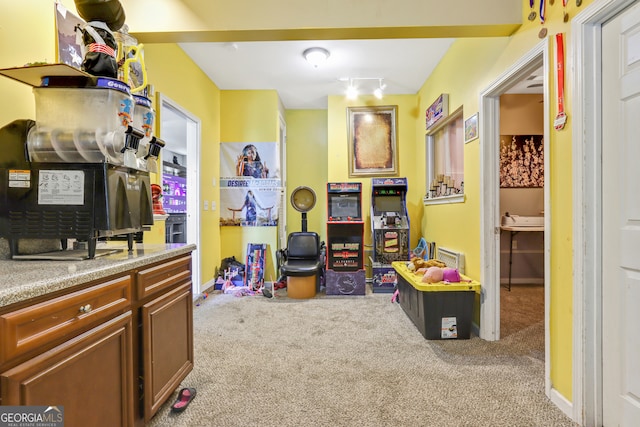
{"type": "Point", "coordinates": [389, 230]}
{"type": "Point", "coordinates": [345, 273]}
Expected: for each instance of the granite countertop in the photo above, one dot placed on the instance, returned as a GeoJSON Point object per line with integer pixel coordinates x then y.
{"type": "Point", "coordinates": [21, 280]}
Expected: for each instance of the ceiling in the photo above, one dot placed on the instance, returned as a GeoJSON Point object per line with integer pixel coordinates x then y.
{"type": "Point", "coordinates": [258, 51]}
{"type": "Point", "coordinates": [402, 64]}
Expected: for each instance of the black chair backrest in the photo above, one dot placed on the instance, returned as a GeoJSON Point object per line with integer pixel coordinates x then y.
{"type": "Point", "coordinates": [303, 245]}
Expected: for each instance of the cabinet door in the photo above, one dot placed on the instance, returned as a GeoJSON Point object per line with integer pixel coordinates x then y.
{"type": "Point", "coordinates": [91, 376]}
{"type": "Point", "coordinates": [167, 333]}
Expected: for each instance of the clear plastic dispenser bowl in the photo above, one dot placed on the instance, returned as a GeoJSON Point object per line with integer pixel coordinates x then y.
{"type": "Point", "coordinates": [143, 119]}
{"type": "Point", "coordinates": [83, 125]}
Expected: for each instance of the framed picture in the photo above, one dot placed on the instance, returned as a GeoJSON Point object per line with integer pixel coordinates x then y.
{"type": "Point", "coordinates": [521, 161]}
{"type": "Point", "coordinates": [438, 110]}
{"type": "Point", "coordinates": [471, 128]}
{"type": "Point", "coordinates": [372, 141]}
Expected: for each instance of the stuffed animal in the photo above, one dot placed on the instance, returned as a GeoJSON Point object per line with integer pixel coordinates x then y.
{"type": "Point", "coordinates": [450, 275]}
{"type": "Point", "coordinates": [433, 275]}
{"type": "Point", "coordinates": [434, 263]}
{"type": "Point", "coordinates": [437, 274]}
{"type": "Point", "coordinates": [417, 263]}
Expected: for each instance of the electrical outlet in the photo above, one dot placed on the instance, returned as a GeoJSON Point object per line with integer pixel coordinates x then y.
{"type": "Point", "coordinates": [213, 205]}
{"type": "Point", "coordinates": [206, 205]}
{"type": "Point", "coordinates": [515, 244]}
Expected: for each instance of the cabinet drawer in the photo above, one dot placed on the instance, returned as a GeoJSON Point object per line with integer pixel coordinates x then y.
{"type": "Point", "coordinates": [163, 276]}
{"type": "Point", "coordinates": [51, 322]}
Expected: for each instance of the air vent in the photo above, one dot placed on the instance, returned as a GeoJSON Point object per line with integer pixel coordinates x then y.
{"type": "Point", "coordinates": [451, 259]}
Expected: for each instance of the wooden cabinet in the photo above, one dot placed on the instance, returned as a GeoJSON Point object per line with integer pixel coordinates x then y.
{"type": "Point", "coordinates": [167, 336]}
{"type": "Point", "coordinates": [111, 351]}
{"type": "Point", "coordinates": [90, 375]}
{"type": "Point", "coordinates": [166, 330]}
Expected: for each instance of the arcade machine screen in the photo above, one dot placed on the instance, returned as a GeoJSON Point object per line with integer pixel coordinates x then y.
{"type": "Point", "coordinates": [344, 206]}
{"type": "Point", "coordinates": [384, 204]}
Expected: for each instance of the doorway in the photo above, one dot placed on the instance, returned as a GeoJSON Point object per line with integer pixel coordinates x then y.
{"type": "Point", "coordinates": [521, 169]}
{"type": "Point", "coordinates": [180, 130]}
{"type": "Point", "coordinates": [490, 209]}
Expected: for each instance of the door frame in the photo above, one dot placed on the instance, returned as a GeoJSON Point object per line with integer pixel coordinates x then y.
{"type": "Point", "coordinates": [282, 214]}
{"type": "Point", "coordinates": [490, 215]}
{"type": "Point", "coordinates": [587, 197]}
{"type": "Point", "coordinates": [193, 136]}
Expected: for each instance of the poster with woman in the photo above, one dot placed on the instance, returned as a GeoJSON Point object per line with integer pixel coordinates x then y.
{"type": "Point", "coordinates": [250, 185]}
{"type": "Point", "coordinates": [259, 160]}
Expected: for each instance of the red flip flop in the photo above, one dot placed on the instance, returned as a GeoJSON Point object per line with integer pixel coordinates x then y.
{"type": "Point", "coordinates": [185, 397]}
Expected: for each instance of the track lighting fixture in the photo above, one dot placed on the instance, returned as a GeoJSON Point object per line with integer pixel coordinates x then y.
{"type": "Point", "coordinates": [352, 89]}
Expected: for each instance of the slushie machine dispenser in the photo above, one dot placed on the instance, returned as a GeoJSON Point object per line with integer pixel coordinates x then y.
{"type": "Point", "coordinates": [345, 274]}
{"type": "Point", "coordinates": [389, 230]}
{"type": "Point", "coordinates": [81, 170]}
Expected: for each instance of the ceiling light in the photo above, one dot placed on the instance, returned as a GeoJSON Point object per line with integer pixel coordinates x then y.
{"type": "Point", "coordinates": [352, 92]}
{"type": "Point", "coordinates": [316, 55]}
{"type": "Point", "coordinates": [378, 91]}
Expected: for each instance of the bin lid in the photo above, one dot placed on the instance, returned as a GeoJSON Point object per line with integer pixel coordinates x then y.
{"type": "Point", "coordinates": [415, 280]}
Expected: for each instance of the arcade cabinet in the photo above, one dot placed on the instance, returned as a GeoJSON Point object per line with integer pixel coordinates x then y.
{"type": "Point", "coordinates": [345, 273]}
{"type": "Point", "coordinates": [389, 230]}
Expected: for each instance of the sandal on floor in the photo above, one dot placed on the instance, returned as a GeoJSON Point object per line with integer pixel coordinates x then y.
{"type": "Point", "coordinates": [185, 397]}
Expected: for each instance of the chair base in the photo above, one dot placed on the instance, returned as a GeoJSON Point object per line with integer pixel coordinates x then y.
{"type": "Point", "coordinates": [301, 287]}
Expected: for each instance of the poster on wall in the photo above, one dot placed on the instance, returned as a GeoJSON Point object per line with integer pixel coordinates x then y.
{"type": "Point", "coordinates": [521, 161]}
{"type": "Point", "coordinates": [250, 184]}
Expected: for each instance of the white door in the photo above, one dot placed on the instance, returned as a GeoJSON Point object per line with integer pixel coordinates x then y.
{"type": "Point", "coordinates": [621, 219]}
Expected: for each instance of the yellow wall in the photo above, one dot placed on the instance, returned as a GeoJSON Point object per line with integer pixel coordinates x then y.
{"type": "Point", "coordinates": [457, 226]}
{"type": "Point", "coordinates": [249, 116]}
{"type": "Point", "coordinates": [198, 95]}
{"type": "Point", "coordinates": [465, 71]}
{"type": "Point", "coordinates": [408, 159]}
{"type": "Point", "coordinates": [307, 165]}
{"type": "Point", "coordinates": [16, 50]}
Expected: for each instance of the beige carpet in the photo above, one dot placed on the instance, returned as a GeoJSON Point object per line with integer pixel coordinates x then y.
{"type": "Point", "coordinates": [353, 361]}
{"type": "Point", "coordinates": [520, 308]}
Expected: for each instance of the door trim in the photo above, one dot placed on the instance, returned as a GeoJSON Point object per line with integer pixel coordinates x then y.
{"type": "Point", "coordinates": [587, 196]}
{"type": "Point", "coordinates": [490, 189]}
{"type": "Point", "coordinates": [193, 130]}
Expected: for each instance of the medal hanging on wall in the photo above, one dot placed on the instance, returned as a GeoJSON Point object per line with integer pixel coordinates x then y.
{"type": "Point", "coordinates": [543, 32]}
{"type": "Point", "coordinates": [561, 117]}
{"type": "Point", "coordinates": [532, 14]}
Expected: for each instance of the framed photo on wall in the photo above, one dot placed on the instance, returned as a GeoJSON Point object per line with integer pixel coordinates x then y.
{"type": "Point", "coordinates": [438, 110]}
{"type": "Point", "coordinates": [372, 141]}
{"type": "Point", "coordinates": [471, 128]}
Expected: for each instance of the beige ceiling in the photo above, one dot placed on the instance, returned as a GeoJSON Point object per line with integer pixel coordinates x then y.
{"type": "Point", "coordinates": [251, 44]}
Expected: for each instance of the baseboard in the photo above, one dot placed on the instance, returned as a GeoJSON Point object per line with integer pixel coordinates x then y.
{"type": "Point", "coordinates": [561, 402]}
{"type": "Point", "coordinates": [475, 329]}
{"type": "Point", "coordinates": [208, 288]}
